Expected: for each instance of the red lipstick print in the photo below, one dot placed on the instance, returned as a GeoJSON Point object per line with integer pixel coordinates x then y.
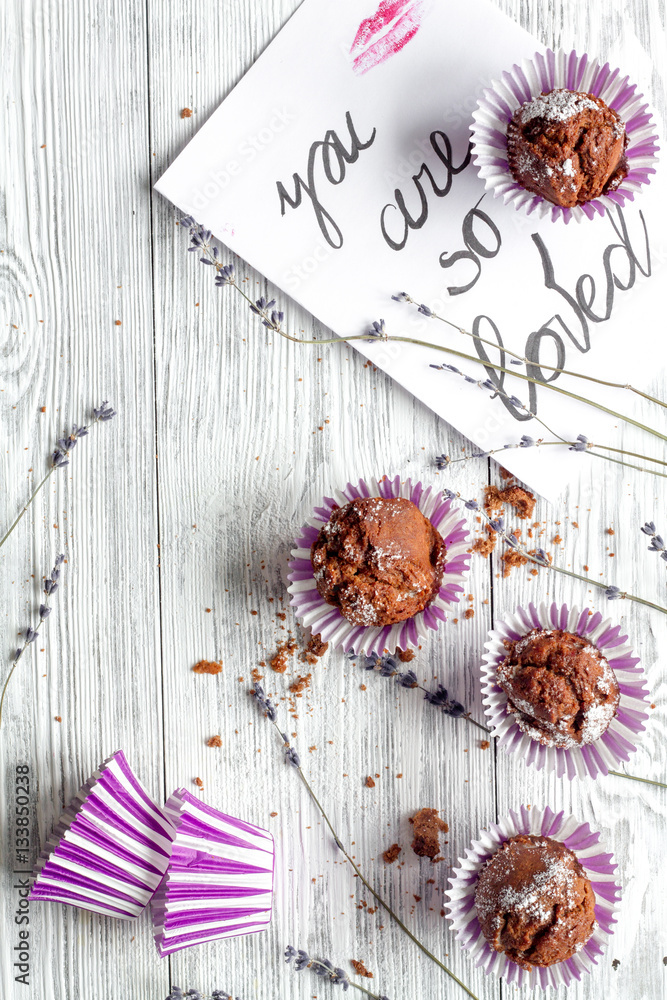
{"type": "Point", "coordinates": [384, 34]}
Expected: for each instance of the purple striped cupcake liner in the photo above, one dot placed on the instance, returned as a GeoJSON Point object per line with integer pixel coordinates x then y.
{"type": "Point", "coordinates": [110, 848]}
{"type": "Point", "coordinates": [599, 867]}
{"type": "Point", "coordinates": [219, 881]}
{"type": "Point", "coordinates": [614, 746]}
{"type": "Point", "coordinates": [314, 613]}
{"type": "Point", "coordinates": [545, 72]}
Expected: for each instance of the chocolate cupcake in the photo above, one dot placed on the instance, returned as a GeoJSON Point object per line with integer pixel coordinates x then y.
{"type": "Point", "coordinates": [535, 902]}
{"type": "Point", "coordinates": [378, 560]}
{"type": "Point", "coordinates": [567, 147]}
{"type": "Point", "coordinates": [559, 686]}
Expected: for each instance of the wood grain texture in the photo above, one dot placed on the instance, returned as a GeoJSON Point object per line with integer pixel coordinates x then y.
{"type": "Point", "coordinates": [177, 519]}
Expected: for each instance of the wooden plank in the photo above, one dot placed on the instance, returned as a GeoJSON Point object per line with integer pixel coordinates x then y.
{"type": "Point", "coordinates": [76, 242]}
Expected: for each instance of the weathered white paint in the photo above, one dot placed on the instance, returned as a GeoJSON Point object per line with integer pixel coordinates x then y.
{"type": "Point", "coordinates": [216, 456]}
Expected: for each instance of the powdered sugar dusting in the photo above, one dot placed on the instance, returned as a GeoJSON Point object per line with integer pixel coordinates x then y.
{"type": "Point", "coordinates": [557, 106]}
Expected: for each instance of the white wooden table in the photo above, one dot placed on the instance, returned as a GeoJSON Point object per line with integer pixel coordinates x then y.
{"type": "Point", "coordinates": [176, 520]}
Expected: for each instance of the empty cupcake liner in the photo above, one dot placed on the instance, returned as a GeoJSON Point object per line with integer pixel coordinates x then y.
{"type": "Point", "coordinates": [545, 72]}
{"type": "Point", "coordinates": [599, 867]}
{"type": "Point", "coordinates": [110, 848]}
{"type": "Point", "coordinates": [314, 613]}
{"type": "Point", "coordinates": [219, 881]}
{"type": "Point", "coordinates": [615, 745]}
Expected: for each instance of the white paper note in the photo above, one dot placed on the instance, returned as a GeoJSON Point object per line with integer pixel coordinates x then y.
{"type": "Point", "coordinates": [320, 215]}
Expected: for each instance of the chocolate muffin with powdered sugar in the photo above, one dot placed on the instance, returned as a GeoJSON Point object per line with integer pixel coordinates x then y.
{"type": "Point", "coordinates": [379, 561]}
{"type": "Point", "coordinates": [559, 686]}
{"type": "Point", "coordinates": [567, 146]}
{"type": "Point", "coordinates": [535, 902]}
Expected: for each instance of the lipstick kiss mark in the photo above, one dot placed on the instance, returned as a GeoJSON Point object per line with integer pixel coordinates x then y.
{"type": "Point", "coordinates": [384, 34]}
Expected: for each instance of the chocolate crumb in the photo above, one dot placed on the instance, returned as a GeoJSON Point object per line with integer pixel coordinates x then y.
{"type": "Point", "coordinates": [279, 660]}
{"type": "Point", "coordinates": [427, 827]}
{"type": "Point", "coordinates": [485, 545]}
{"type": "Point", "coordinates": [391, 854]}
{"type": "Point", "coordinates": [315, 648]}
{"type": "Point", "coordinates": [360, 969]}
{"type": "Point", "coordinates": [207, 667]}
{"type": "Point", "coordinates": [514, 496]}
{"type": "Point", "coordinates": [300, 684]}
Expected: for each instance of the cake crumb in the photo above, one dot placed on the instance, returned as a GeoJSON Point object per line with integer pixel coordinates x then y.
{"type": "Point", "coordinates": [485, 545]}
{"type": "Point", "coordinates": [360, 968]}
{"type": "Point", "coordinates": [469, 613]}
{"type": "Point", "coordinates": [286, 649]}
{"type": "Point", "coordinates": [390, 855]}
{"type": "Point", "coordinates": [610, 531]}
{"type": "Point", "coordinates": [405, 655]}
{"type": "Point", "coordinates": [427, 827]}
{"type": "Point", "coordinates": [273, 814]}
{"type": "Point", "coordinates": [207, 667]}
{"type": "Point", "coordinates": [514, 496]}
{"type": "Point", "coordinates": [484, 744]}
{"type": "Point", "coordinates": [369, 783]}
{"type": "Point", "coordinates": [300, 684]}
{"type": "Point", "coordinates": [58, 718]}
{"type": "Point", "coordinates": [215, 741]}
{"type": "Point", "coordinates": [511, 559]}
{"type": "Point", "coordinates": [186, 113]}
{"type": "Point", "coordinates": [198, 782]}
{"type": "Point", "coordinates": [315, 648]}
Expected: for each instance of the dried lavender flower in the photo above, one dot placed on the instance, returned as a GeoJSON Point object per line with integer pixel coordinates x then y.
{"type": "Point", "coordinates": [657, 541]}
{"type": "Point", "coordinates": [442, 461]}
{"type": "Point", "coordinates": [581, 444]}
{"type": "Point", "coordinates": [30, 633]}
{"type": "Point", "coordinates": [60, 456]}
{"type": "Point", "coordinates": [376, 331]}
{"type": "Point", "coordinates": [325, 969]}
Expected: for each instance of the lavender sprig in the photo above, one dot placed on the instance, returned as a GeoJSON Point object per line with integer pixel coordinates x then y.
{"type": "Point", "coordinates": [178, 994]}
{"type": "Point", "coordinates": [61, 454]}
{"type": "Point", "coordinates": [201, 241]}
{"type": "Point", "coordinates": [292, 758]}
{"type": "Point", "coordinates": [539, 557]}
{"type": "Point", "coordinates": [50, 587]}
{"type": "Point", "coordinates": [657, 542]}
{"type": "Point", "coordinates": [326, 970]}
{"type": "Point", "coordinates": [444, 461]}
{"type": "Point", "coordinates": [582, 444]}
{"type": "Point", "coordinates": [387, 666]}
{"type": "Point", "coordinates": [517, 359]}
